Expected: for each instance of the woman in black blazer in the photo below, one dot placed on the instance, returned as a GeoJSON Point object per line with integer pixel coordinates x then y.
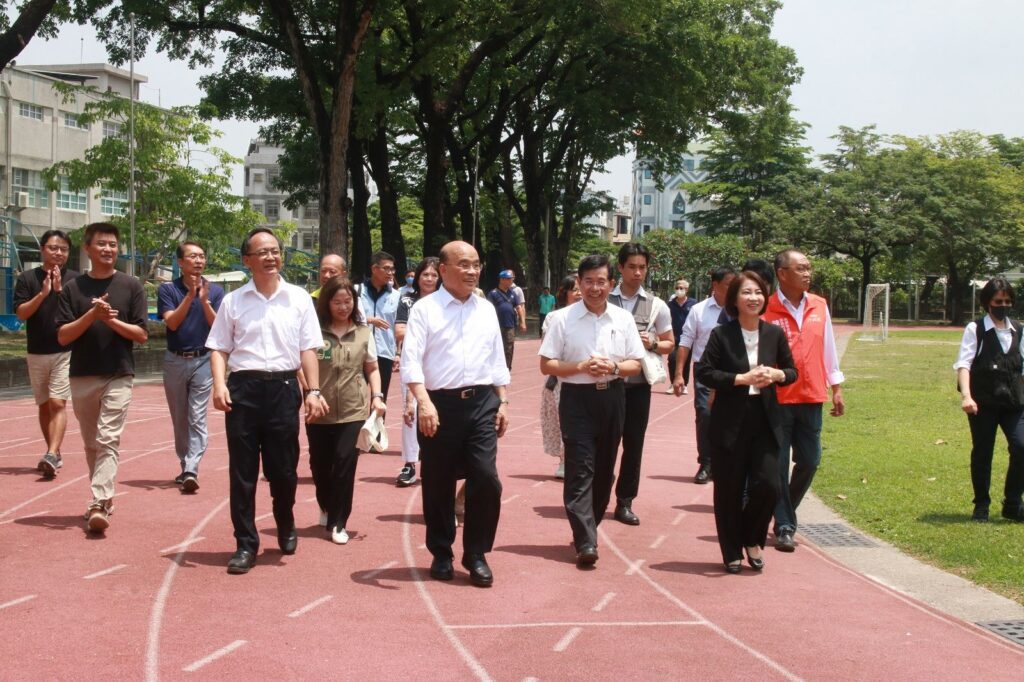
{"type": "Point", "coordinates": [743, 361]}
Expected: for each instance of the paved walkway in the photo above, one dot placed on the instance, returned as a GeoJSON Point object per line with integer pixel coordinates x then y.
{"type": "Point", "coordinates": [152, 599]}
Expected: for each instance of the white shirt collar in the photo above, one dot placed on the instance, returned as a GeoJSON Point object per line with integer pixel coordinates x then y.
{"type": "Point", "coordinates": [639, 292]}
{"type": "Point", "coordinates": [250, 286]}
{"type": "Point", "coordinates": [579, 310]}
{"type": "Point", "coordinates": [786, 301]}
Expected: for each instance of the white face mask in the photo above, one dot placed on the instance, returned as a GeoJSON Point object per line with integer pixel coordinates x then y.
{"type": "Point", "coordinates": [680, 292]}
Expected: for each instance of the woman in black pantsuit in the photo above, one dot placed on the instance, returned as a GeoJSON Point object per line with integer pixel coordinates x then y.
{"type": "Point", "coordinates": [743, 361]}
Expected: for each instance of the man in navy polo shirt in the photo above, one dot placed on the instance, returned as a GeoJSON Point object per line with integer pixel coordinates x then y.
{"type": "Point", "coordinates": [188, 306]}
{"type": "Point", "coordinates": [505, 303]}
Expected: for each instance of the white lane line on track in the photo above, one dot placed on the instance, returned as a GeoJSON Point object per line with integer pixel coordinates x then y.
{"type": "Point", "coordinates": [312, 605]}
{"type": "Point", "coordinates": [223, 651]}
{"type": "Point", "coordinates": [576, 623]}
{"type": "Point", "coordinates": [156, 615]}
{"type": "Point", "coordinates": [537, 484]}
{"type": "Point", "coordinates": [684, 403]}
{"type": "Point", "coordinates": [19, 600]}
{"type": "Point", "coordinates": [567, 639]}
{"type": "Point", "coordinates": [105, 571]}
{"type": "Point", "coordinates": [310, 499]}
{"type": "Point", "coordinates": [370, 575]}
{"type": "Point", "coordinates": [181, 545]}
{"type": "Point", "coordinates": [74, 431]}
{"type": "Point", "coordinates": [657, 541]}
{"type": "Point", "coordinates": [264, 516]}
{"type": "Point", "coordinates": [449, 632]}
{"type": "Point", "coordinates": [26, 516]}
{"type": "Point", "coordinates": [697, 615]}
{"type": "Point", "coordinates": [634, 567]}
{"type": "Point", "coordinates": [509, 499]}
{"type": "Point", "coordinates": [15, 441]}
{"type": "Point", "coordinates": [678, 519]}
{"type": "Point", "coordinates": [605, 600]}
{"type": "Point", "coordinates": [522, 426]}
{"type": "Point", "coordinates": [223, 468]}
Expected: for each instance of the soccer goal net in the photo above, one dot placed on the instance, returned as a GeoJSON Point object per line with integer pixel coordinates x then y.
{"type": "Point", "coordinates": [876, 312]}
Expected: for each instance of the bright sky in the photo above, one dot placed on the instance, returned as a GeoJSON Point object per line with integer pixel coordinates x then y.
{"type": "Point", "coordinates": [915, 67]}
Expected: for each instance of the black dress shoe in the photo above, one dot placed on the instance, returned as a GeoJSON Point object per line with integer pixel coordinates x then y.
{"type": "Point", "coordinates": [623, 514]}
{"type": "Point", "coordinates": [1013, 512]}
{"type": "Point", "coordinates": [980, 514]}
{"type": "Point", "coordinates": [241, 561]}
{"type": "Point", "coordinates": [441, 569]}
{"type": "Point", "coordinates": [586, 555]}
{"type": "Point", "coordinates": [703, 474]}
{"type": "Point", "coordinates": [785, 541]}
{"type": "Point", "coordinates": [288, 541]}
{"type": "Point", "coordinates": [756, 564]}
{"type": "Point", "coordinates": [734, 567]}
{"type": "Point", "coordinates": [479, 572]}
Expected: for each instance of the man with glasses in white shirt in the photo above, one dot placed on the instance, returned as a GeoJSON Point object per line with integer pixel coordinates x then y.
{"type": "Point", "coordinates": [454, 364]}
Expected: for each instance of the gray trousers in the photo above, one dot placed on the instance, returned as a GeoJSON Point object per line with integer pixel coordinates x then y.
{"type": "Point", "coordinates": [187, 385]}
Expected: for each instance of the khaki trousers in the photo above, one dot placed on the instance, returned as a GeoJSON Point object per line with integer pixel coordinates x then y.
{"type": "Point", "coordinates": [101, 405]}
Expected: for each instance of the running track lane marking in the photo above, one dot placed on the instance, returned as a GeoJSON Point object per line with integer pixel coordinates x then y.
{"type": "Point", "coordinates": [73, 431]}
{"type": "Point", "coordinates": [180, 545]}
{"type": "Point", "coordinates": [574, 623]}
{"type": "Point", "coordinates": [264, 516]}
{"type": "Point", "coordinates": [26, 516]}
{"type": "Point", "coordinates": [567, 639]}
{"type": "Point", "coordinates": [605, 600]}
{"type": "Point", "coordinates": [370, 575]}
{"type": "Point", "coordinates": [657, 541]}
{"type": "Point", "coordinates": [537, 484]}
{"type": "Point", "coordinates": [104, 572]}
{"type": "Point", "coordinates": [223, 651]}
{"type": "Point", "coordinates": [697, 615]}
{"type": "Point", "coordinates": [449, 632]}
{"type": "Point", "coordinates": [312, 605]}
{"type": "Point", "coordinates": [634, 566]}
{"type": "Point", "coordinates": [19, 600]}
{"type": "Point", "coordinates": [160, 602]}
{"type": "Point", "coordinates": [509, 499]}
{"type": "Point", "coordinates": [678, 519]}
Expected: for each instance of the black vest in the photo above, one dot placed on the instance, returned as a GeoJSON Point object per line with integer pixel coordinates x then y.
{"type": "Point", "coordinates": [996, 379]}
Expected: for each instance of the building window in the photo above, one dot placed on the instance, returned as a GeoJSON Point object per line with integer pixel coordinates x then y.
{"type": "Point", "coordinates": [257, 206]}
{"type": "Point", "coordinates": [679, 204]}
{"type": "Point", "coordinates": [312, 211]}
{"type": "Point", "coordinates": [30, 111]}
{"type": "Point", "coordinates": [112, 129]}
{"type": "Point", "coordinates": [622, 224]}
{"type": "Point", "coordinates": [113, 202]}
{"type": "Point", "coordinates": [71, 200]}
{"type": "Point", "coordinates": [647, 199]}
{"type": "Point", "coordinates": [257, 178]}
{"type": "Point", "coordinates": [71, 121]}
{"type": "Point", "coordinates": [647, 228]}
{"type": "Point", "coordinates": [273, 210]}
{"type": "Point", "coordinates": [688, 164]}
{"type": "Point", "coordinates": [307, 241]}
{"type": "Point", "coordinates": [273, 176]}
{"type": "Point", "coordinates": [31, 183]}
{"type": "Point", "coordinates": [648, 175]}
{"type": "Point", "coordinates": [678, 224]}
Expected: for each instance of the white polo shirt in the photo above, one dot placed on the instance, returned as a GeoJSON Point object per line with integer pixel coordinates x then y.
{"type": "Point", "coordinates": [574, 334]}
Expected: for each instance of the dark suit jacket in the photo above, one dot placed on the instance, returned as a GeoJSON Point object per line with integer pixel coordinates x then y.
{"type": "Point", "coordinates": [724, 358]}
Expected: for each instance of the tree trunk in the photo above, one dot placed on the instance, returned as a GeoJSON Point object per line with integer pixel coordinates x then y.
{"type": "Point", "coordinates": [435, 189]}
{"type": "Point", "coordinates": [865, 279]}
{"type": "Point", "coordinates": [954, 295]}
{"type": "Point", "coordinates": [359, 264]}
{"type": "Point", "coordinates": [378, 155]}
{"type": "Point", "coordinates": [15, 39]}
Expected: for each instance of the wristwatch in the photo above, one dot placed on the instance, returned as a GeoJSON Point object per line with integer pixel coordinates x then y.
{"type": "Point", "coordinates": [503, 401]}
{"type": "Point", "coordinates": [378, 394]}
{"type": "Point", "coordinates": [313, 391]}
{"type": "Point", "coordinates": [616, 370]}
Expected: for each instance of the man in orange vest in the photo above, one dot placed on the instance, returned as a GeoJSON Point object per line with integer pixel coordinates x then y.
{"type": "Point", "coordinates": [808, 326]}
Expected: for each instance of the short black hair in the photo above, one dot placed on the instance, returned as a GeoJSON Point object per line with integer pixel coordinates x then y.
{"type": "Point", "coordinates": [718, 274]}
{"type": "Point", "coordinates": [782, 258]}
{"type": "Point", "coordinates": [50, 234]}
{"type": "Point", "coordinates": [762, 268]}
{"type": "Point", "coordinates": [734, 291]}
{"type": "Point", "coordinates": [259, 230]}
{"type": "Point", "coordinates": [180, 251]}
{"type": "Point", "coordinates": [381, 256]}
{"type": "Point", "coordinates": [633, 249]}
{"type": "Point", "coordinates": [594, 261]}
{"type": "Point", "coordinates": [93, 229]}
{"type": "Point", "coordinates": [993, 287]}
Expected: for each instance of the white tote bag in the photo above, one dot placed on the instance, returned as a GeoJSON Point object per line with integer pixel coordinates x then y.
{"type": "Point", "coordinates": [373, 437]}
{"type": "Point", "coordinates": [653, 363]}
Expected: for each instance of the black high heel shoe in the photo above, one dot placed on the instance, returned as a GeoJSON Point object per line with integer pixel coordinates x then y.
{"type": "Point", "coordinates": [734, 567]}
{"type": "Point", "coordinates": [756, 564]}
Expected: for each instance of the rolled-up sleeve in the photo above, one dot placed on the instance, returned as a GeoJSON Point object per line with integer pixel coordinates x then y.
{"type": "Point", "coordinates": [411, 368]}
{"type": "Point", "coordinates": [968, 347]}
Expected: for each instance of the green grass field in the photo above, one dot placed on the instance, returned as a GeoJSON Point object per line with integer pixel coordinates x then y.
{"type": "Point", "coordinates": [898, 463]}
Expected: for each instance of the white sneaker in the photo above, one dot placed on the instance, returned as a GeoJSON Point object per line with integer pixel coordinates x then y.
{"type": "Point", "coordinates": [339, 536]}
{"type": "Point", "coordinates": [670, 391]}
{"type": "Point", "coordinates": [323, 518]}
{"type": "Point", "coordinates": [686, 389]}
{"type": "Point", "coordinates": [560, 471]}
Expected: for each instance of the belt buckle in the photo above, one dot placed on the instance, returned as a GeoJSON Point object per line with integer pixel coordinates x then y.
{"type": "Point", "coordinates": [601, 385]}
{"type": "Point", "coordinates": [467, 393]}
{"type": "Point", "coordinates": [188, 355]}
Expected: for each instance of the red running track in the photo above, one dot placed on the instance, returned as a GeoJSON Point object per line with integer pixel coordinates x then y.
{"type": "Point", "coordinates": [152, 600]}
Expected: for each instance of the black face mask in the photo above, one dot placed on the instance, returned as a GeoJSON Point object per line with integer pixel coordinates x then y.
{"type": "Point", "coordinates": [1000, 312]}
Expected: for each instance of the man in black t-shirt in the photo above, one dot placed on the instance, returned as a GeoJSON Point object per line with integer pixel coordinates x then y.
{"type": "Point", "coordinates": [101, 314]}
{"type": "Point", "coordinates": [35, 300]}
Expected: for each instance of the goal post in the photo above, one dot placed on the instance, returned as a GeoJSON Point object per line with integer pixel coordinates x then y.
{"type": "Point", "coordinates": [876, 312]}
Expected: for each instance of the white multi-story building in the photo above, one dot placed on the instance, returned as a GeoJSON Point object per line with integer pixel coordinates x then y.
{"type": "Point", "coordinates": [39, 127]}
{"type": "Point", "coordinates": [667, 208]}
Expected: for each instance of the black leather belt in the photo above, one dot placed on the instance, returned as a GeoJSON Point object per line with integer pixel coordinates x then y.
{"type": "Point", "coordinates": [263, 376]}
{"type": "Point", "coordinates": [599, 386]}
{"type": "Point", "coordinates": [460, 393]}
{"type": "Point", "coordinates": [189, 354]}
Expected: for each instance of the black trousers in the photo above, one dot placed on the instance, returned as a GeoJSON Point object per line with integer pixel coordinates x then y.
{"type": "Point", "coordinates": [386, 367]}
{"type": "Point", "coordinates": [752, 461]}
{"type": "Point", "coordinates": [983, 439]}
{"type": "Point", "coordinates": [263, 423]}
{"type": "Point", "coordinates": [465, 446]}
{"type": "Point", "coordinates": [591, 421]}
{"type": "Point", "coordinates": [332, 461]}
{"type": "Point", "coordinates": [672, 365]}
{"type": "Point", "coordinates": [638, 412]}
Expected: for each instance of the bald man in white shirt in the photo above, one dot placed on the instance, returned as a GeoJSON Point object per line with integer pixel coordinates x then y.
{"type": "Point", "coordinates": [453, 362]}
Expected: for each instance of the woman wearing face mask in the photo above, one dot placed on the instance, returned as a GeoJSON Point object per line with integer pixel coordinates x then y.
{"type": "Point", "coordinates": [989, 377]}
{"type": "Point", "coordinates": [424, 282]}
{"type": "Point", "coordinates": [744, 360]}
{"type": "Point", "coordinates": [551, 432]}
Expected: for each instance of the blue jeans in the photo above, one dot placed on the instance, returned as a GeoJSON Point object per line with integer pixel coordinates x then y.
{"type": "Point", "coordinates": [801, 430]}
{"type": "Point", "coordinates": [187, 385]}
{"type": "Point", "coordinates": [701, 398]}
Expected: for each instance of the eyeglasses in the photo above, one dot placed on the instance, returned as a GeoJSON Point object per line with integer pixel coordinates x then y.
{"type": "Point", "coordinates": [57, 249]}
{"type": "Point", "coordinates": [263, 253]}
{"type": "Point", "coordinates": [389, 270]}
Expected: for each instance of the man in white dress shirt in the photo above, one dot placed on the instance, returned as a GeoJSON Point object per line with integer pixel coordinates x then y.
{"type": "Point", "coordinates": [703, 318]}
{"type": "Point", "coordinates": [453, 362]}
{"type": "Point", "coordinates": [264, 332]}
{"type": "Point", "coordinates": [590, 345]}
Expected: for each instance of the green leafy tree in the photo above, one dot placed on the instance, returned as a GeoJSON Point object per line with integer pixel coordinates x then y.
{"type": "Point", "coordinates": [34, 16]}
{"type": "Point", "coordinates": [182, 184]}
{"type": "Point", "coordinates": [676, 253]}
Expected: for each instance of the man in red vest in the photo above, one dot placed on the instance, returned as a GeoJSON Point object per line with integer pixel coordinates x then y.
{"type": "Point", "coordinates": [808, 326]}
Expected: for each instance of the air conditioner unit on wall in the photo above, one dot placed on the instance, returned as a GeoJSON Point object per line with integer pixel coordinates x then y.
{"type": "Point", "coordinates": [21, 200]}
